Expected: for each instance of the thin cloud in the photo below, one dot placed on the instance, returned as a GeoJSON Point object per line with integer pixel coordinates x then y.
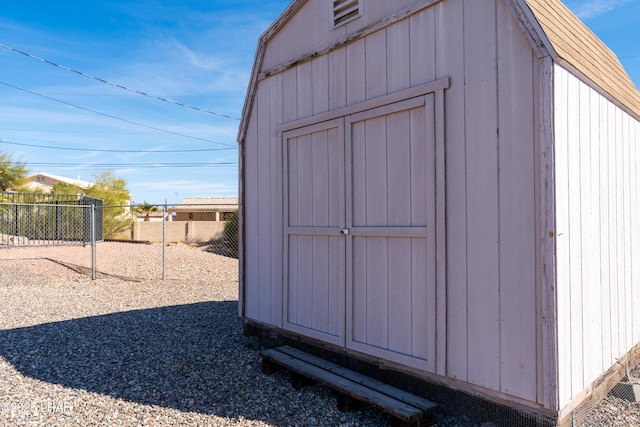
{"type": "Point", "coordinates": [199, 73]}
{"type": "Point", "coordinates": [595, 8]}
{"type": "Point", "coordinates": [193, 187]}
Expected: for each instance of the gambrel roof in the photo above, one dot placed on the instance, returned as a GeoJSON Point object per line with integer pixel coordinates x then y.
{"type": "Point", "coordinates": [550, 26]}
{"type": "Point", "coordinates": [573, 42]}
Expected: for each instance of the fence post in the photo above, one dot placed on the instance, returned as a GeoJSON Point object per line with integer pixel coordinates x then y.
{"type": "Point", "coordinates": [57, 221]}
{"type": "Point", "coordinates": [93, 242]}
{"type": "Point", "coordinates": [164, 237]}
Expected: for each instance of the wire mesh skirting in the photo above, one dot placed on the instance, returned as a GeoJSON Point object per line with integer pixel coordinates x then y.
{"type": "Point", "coordinates": [615, 402]}
{"type": "Point", "coordinates": [615, 405]}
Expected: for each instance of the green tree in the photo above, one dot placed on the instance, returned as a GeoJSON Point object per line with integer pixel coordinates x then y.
{"type": "Point", "coordinates": [115, 195]}
{"type": "Point", "coordinates": [64, 188]}
{"type": "Point", "coordinates": [12, 173]}
{"type": "Point", "coordinates": [146, 208]}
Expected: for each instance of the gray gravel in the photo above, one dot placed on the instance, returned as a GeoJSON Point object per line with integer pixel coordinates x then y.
{"type": "Point", "coordinates": [119, 352]}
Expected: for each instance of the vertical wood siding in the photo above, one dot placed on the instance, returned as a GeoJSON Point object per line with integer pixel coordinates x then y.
{"type": "Point", "coordinates": [449, 60]}
{"type": "Point", "coordinates": [482, 182]}
{"type": "Point", "coordinates": [597, 232]}
{"type": "Point", "coordinates": [312, 28]}
{"type": "Point", "coordinates": [250, 219]}
{"type": "Point", "coordinates": [393, 275]}
{"type": "Point", "coordinates": [276, 111]}
{"type": "Point", "coordinates": [313, 185]}
{"type": "Point", "coordinates": [265, 185]}
{"type": "Point", "coordinates": [491, 329]}
{"type": "Point", "coordinates": [517, 209]}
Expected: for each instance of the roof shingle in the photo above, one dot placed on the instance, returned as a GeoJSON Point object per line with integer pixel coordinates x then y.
{"type": "Point", "coordinates": [575, 43]}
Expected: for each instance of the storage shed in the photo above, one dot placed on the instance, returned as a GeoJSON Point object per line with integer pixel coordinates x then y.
{"type": "Point", "coordinates": [447, 188]}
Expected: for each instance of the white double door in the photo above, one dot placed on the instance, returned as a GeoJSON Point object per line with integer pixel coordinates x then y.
{"type": "Point", "coordinates": [359, 242]}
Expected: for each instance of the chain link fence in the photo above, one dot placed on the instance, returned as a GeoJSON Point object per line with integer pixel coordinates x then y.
{"type": "Point", "coordinates": [132, 242]}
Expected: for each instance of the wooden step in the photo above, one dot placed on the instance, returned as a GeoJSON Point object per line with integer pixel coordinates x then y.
{"type": "Point", "coordinates": [412, 409]}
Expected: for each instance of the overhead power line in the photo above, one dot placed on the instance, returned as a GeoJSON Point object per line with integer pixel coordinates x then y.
{"type": "Point", "coordinates": [139, 92]}
{"type": "Point", "coordinates": [112, 116]}
{"type": "Point", "coordinates": [136, 165]}
{"type": "Point", "coordinates": [51, 147]}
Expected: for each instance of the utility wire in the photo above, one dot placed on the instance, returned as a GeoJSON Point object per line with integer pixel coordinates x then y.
{"type": "Point", "coordinates": [136, 165]}
{"type": "Point", "coordinates": [114, 151]}
{"type": "Point", "coordinates": [113, 117]}
{"type": "Point", "coordinates": [139, 92]}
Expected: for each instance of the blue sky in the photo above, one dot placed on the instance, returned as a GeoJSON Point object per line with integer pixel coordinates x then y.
{"type": "Point", "coordinates": [196, 52]}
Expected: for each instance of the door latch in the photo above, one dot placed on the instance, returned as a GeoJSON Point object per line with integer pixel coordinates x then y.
{"type": "Point", "coordinates": [344, 231]}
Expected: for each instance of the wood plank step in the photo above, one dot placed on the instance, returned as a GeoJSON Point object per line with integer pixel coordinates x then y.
{"type": "Point", "coordinates": [389, 390]}
{"type": "Point", "coordinates": [399, 403]}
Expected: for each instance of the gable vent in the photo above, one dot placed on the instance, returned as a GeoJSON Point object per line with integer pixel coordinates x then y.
{"type": "Point", "coordinates": [345, 11]}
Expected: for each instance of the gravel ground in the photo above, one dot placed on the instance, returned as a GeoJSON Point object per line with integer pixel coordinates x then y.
{"type": "Point", "coordinates": [124, 351]}
{"type": "Point", "coordinates": [128, 349]}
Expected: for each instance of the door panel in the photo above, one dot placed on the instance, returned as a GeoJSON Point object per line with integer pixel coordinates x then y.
{"type": "Point", "coordinates": [314, 247]}
{"type": "Point", "coordinates": [360, 219]}
{"type": "Point", "coordinates": [391, 283]}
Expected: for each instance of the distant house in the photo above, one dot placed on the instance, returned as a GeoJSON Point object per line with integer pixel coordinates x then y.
{"type": "Point", "coordinates": [45, 181]}
{"type": "Point", "coordinates": [205, 209]}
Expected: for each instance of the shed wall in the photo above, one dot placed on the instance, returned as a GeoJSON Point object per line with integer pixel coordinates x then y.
{"type": "Point", "coordinates": [493, 331]}
{"type": "Point", "coordinates": [598, 226]}
{"type": "Point", "coordinates": [314, 20]}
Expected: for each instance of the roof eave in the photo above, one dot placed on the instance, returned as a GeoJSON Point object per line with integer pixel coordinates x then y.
{"type": "Point", "coordinates": [532, 29]}
{"type": "Point", "coordinates": [264, 39]}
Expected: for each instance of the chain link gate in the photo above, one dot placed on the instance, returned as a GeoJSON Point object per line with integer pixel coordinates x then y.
{"type": "Point", "coordinates": [30, 219]}
{"type": "Point", "coordinates": [34, 220]}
